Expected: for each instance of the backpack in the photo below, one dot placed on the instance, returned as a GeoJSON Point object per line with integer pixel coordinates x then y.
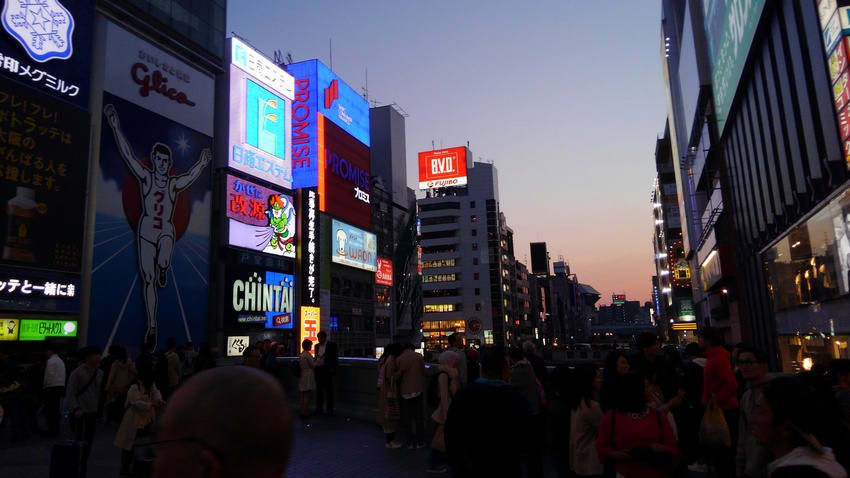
{"type": "Point", "coordinates": [432, 398]}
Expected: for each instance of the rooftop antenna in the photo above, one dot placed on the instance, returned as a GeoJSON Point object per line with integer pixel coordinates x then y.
{"type": "Point", "coordinates": [366, 88]}
{"type": "Point", "coordinates": [331, 47]}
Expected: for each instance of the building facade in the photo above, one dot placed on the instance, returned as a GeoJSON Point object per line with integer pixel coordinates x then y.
{"type": "Point", "coordinates": [757, 118]}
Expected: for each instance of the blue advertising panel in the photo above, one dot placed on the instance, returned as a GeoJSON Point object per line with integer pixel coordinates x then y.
{"type": "Point", "coordinates": [44, 150]}
{"type": "Point", "coordinates": [259, 297]}
{"type": "Point", "coordinates": [259, 218]}
{"type": "Point", "coordinates": [150, 265]}
{"type": "Point", "coordinates": [47, 45]}
{"type": "Point", "coordinates": [318, 91]}
{"type": "Point", "coordinates": [354, 247]}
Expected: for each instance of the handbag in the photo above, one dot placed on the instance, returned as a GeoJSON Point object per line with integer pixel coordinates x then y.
{"type": "Point", "coordinates": [713, 430]}
{"type": "Point", "coordinates": [393, 411]}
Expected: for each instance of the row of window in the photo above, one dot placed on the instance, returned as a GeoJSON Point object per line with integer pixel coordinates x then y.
{"type": "Point", "coordinates": [440, 278]}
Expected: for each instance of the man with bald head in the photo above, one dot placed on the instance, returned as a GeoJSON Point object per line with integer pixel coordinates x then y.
{"type": "Point", "coordinates": [225, 422]}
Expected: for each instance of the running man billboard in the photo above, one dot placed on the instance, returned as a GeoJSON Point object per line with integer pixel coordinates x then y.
{"type": "Point", "coordinates": [150, 266]}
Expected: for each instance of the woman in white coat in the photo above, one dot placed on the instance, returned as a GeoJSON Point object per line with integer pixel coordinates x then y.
{"type": "Point", "coordinates": [307, 382]}
{"type": "Point", "coordinates": [139, 419]}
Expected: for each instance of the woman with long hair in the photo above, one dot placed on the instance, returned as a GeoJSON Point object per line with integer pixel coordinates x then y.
{"type": "Point", "coordinates": [616, 365]}
{"type": "Point", "coordinates": [307, 382]}
{"type": "Point", "coordinates": [447, 383]}
{"type": "Point", "coordinates": [584, 421]}
{"type": "Point", "coordinates": [143, 398]}
{"type": "Point", "coordinates": [389, 390]}
{"type": "Point", "coordinates": [638, 439]}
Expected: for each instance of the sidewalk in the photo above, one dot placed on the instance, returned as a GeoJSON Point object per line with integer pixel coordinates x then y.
{"type": "Point", "coordinates": [323, 447]}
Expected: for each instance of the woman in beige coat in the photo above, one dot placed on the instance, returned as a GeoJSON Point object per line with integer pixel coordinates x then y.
{"type": "Point", "coordinates": [447, 381]}
{"type": "Point", "coordinates": [143, 399]}
{"type": "Point", "coordinates": [389, 389]}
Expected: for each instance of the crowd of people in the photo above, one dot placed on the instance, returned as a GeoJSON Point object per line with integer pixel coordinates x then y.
{"type": "Point", "coordinates": [642, 414]}
{"type": "Point", "coordinates": [89, 389]}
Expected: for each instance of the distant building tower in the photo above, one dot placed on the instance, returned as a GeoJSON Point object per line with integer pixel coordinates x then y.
{"type": "Point", "coordinates": [467, 251]}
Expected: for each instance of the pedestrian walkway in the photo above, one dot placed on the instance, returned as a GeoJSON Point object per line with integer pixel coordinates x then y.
{"type": "Point", "coordinates": [323, 446]}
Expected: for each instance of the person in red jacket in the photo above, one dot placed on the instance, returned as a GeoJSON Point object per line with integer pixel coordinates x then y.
{"type": "Point", "coordinates": [720, 386]}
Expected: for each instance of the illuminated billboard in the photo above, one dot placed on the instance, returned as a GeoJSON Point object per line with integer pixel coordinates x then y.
{"type": "Point", "coordinates": [354, 247]}
{"type": "Point", "coordinates": [345, 191]}
{"type": "Point", "coordinates": [40, 329]}
{"type": "Point", "coordinates": [319, 93]}
{"type": "Point", "coordinates": [384, 274]}
{"type": "Point", "coordinates": [44, 146]}
{"type": "Point", "coordinates": [9, 329]}
{"type": "Point", "coordinates": [47, 45]}
{"type": "Point", "coordinates": [259, 118]}
{"type": "Point", "coordinates": [259, 297]}
{"type": "Point", "coordinates": [443, 168]}
{"type": "Point", "coordinates": [259, 218]}
{"type": "Point", "coordinates": [40, 292]}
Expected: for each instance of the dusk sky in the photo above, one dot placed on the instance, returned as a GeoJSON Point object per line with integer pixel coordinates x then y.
{"type": "Point", "coordinates": [565, 97]}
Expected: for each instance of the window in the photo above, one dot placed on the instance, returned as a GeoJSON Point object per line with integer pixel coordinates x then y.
{"type": "Point", "coordinates": [477, 291]}
{"type": "Point", "coordinates": [475, 232]}
{"type": "Point", "coordinates": [478, 306]}
{"type": "Point", "coordinates": [474, 246]}
{"type": "Point", "coordinates": [475, 261]}
{"type": "Point", "coordinates": [473, 218]}
{"type": "Point", "coordinates": [334, 323]}
{"type": "Point", "coordinates": [476, 276]}
{"type": "Point", "coordinates": [472, 204]}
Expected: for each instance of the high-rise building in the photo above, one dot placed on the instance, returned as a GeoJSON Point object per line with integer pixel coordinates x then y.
{"type": "Point", "coordinates": [466, 260]}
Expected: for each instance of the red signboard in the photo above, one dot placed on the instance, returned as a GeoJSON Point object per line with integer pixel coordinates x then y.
{"type": "Point", "coordinates": [384, 274]}
{"type": "Point", "coordinates": [443, 168]}
{"type": "Point", "coordinates": [345, 180]}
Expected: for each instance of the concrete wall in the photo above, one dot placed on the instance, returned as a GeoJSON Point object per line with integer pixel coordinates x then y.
{"type": "Point", "coordinates": [355, 393]}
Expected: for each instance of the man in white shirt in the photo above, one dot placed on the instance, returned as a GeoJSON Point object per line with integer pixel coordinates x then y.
{"type": "Point", "coordinates": [54, 389]}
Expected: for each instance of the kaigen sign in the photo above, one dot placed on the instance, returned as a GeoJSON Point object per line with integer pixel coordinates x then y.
{"type": "Point", "coordinates": [259, 218]}
{"type": "Point", "coordinates": [443, 168]}
{"type": "Point", "coordinates": [354, 247]}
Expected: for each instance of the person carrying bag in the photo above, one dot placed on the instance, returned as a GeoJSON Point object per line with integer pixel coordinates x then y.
{"type": "Point", "coordinates": [138, 424]}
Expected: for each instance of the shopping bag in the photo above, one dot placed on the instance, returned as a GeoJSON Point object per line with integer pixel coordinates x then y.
{"type": "Point", "coordinates": [393, 411]}
{"type": "Point", "coordinates": [714, 430]}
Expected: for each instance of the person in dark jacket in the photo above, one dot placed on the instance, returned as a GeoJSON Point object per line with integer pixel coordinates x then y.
{"type": "Point", "coordinates": [476, 443]}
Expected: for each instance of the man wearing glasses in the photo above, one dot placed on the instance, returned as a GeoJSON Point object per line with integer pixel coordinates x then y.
{"type": "Point", "coordinates": [225, 422]}
{"type": "Point", "coordinates": [752, 458]}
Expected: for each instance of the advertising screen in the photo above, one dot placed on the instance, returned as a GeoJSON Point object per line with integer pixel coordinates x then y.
{"type": "Point", "coordinates": [35, 329]}
{"type": "Point", "coordinates": [443, 168]}
{"type": "Point", "coordinates": [308, 245]}
{"type": "Point", "coordinates": [9, 329]}
{"type": "Point", "coordinates": [40, 292]}
{"type": "Point", "coordinates": [236, 344]}
{"type": "Point", "coordinates": [354, 247]}
{"type": "Point", "coordinates": [146, 76]}
{"type": "Point", "coordinates": [260, 124]}
{"type": "Point", "coordinates": [320, 93]}
{"type": "Point", "coordinates": [384, 274]}
{"type": "Point", "coordinates": [344, 188]}
{"type": "Point", "coordinates": [47, 45]}
{"type": "Point", "coordinates": [44, 161]}
{"type": "Point", "coordinates": [259, 218]}
{"type": "Point", "coordinates": [259, 297]}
